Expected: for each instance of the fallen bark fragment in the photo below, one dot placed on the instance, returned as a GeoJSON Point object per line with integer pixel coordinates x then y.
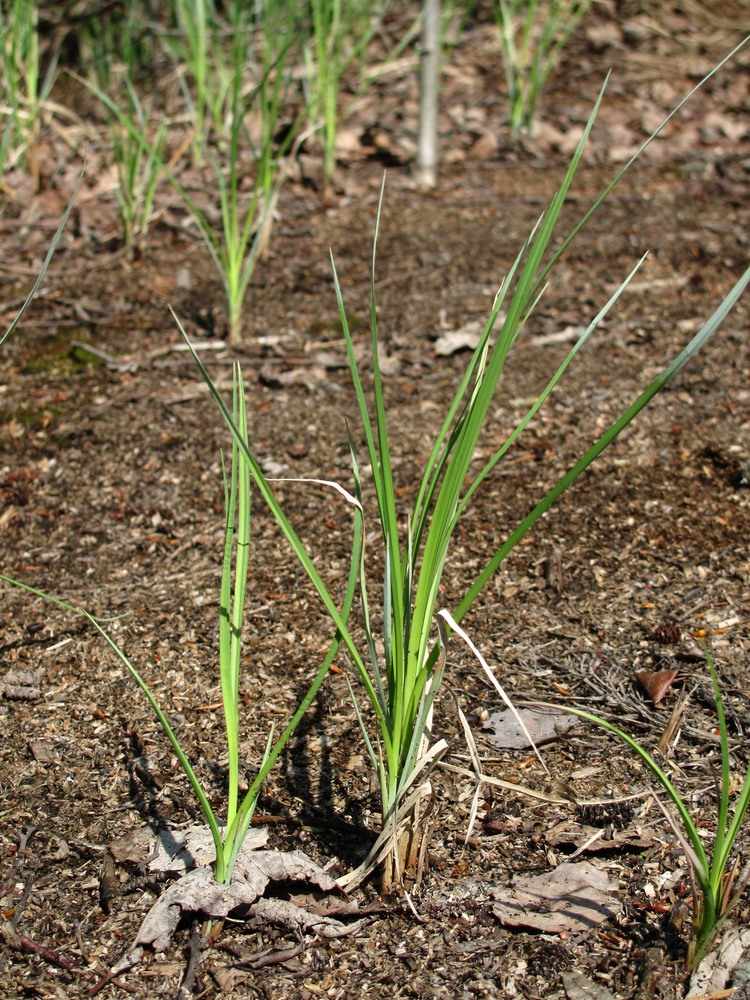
{"type": "Point", "coordinates": [570, 899]}
{"type": "Point", "coordinates": [22, 685]}
{"type": "Point", "coordinates": [656, 683]}
{"type": "Point", "coordinates": [721, 966]}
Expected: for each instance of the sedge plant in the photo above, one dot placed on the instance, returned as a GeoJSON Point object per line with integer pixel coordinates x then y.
{"type": "Point", "coordinates": [245, 232]}
{"type": "Point", "coordinates": [139, 159]}
{"type": "Point", "coordinates": [122, 44]}
{"type": "Point", "coordinates": [229, 834]}
{"type": "Point", "coordinates": [533, 34]}
{"type": "Point", "coordinates": [199, 56]}
{"type": "Point", "coordinates": [339, 32]}
{"type": "Point", "coordinates": [244, 218]}
{"type": "Point", "coordinates": [24, 87]}
{"type": "Point", "coordinates": [227, 838]}
{"type": "Point", "coordinates": [401, 661]}
{"type": "Point", "coordinates": [275, 39]}
{"type": "Point", "coordinates": [717, 885]}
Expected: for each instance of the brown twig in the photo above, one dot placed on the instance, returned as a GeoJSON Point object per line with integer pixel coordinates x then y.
{"type": "Point", "coordinates": [21, 942]}
{"type": "Point", "coordinates": [196, 948]}
{"type": "Point", "coordinates": [266, 958]}
{"type": "Point", "coordinates": [112, 976]}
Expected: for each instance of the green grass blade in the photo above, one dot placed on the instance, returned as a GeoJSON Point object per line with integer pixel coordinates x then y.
{"type": "Point", "coordinates": [364, 413]}
{"type": "Point", "coordinates": [450, 430]}
{"type": "Point", "coordinates": [725, 835]}
{"type": "Point", "coordinates": [724, 785]}
{"type": "Point", "coordinates": [230, 626]}
{"type": "Point", "coordinates": [379, 454]}
{"type": "Point", "coordinates": [448, 498]}
{"type": "Point", "coordinates": [237, 831]}
{"type": "Point", "coordinates": [428, 685]}
{"type": "Point", "coordinates": [293, 539]}
{"type": "Point", "coordinates": [271, 755]}
{"type": "Point", "coordinates": [641, 149]}
{"type": "Point", "coordinates": [364, 600]}
{"type": "Point", "coordinates": [225, 627]}
{"type": "Point", "coordinates": [706, 331]}
{"type": "Point", "coordinates": [721, 858]}
{"type": "Point", "coordinates": [391, 532]}
{"type": "Point", "coordinates": [47, 260]}
{"type": "Point", "coordinates": [687, 820]}
{"type": "Point", "coordinates": [376, 759]}
{"type": "Point", "coordinates": [540, 400]}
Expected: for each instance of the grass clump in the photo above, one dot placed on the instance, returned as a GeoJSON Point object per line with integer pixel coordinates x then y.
{"type": "Point", "coordinates": [229, 834]}
{"type": "Point", "coordinates": [339, 31]}
{"type": "Point", "coordinates": [248, 164]}
{"type": "Point", "coordinates": [139, 159]}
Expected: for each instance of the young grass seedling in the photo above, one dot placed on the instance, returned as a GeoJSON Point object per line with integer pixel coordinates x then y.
{"type": "Point", "coordinates": [278, 35]}
{"type": "Point", "coordinates": [23, 87]}
{"type": "Point", "coordinates": [229, 835]}
{"type": "Point", "coordinates": [533, 34]}
{"type": "Point", "coordinates": [716, 888]}
{"type": "Point", "coordinates": [200, 59]}
{"type": "Point", "coordinates": [340, 31]}
{"type": "Point", "coordinates": [46, 263]}
{"type": "Point", "coordinates": [139, 163]}
{"type": "Point", "coordinates": [245, 219]}
{"type": "Point", "coordinates": [121, 45]}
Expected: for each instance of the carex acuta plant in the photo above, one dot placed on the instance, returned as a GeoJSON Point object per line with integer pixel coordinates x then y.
{"type": "Point", "coordinates": [25, 85]}
{"type": "Point", "coordinates": [533, 34]}
{"type": "Point", "coordinates": [339, 32]}
{"type": "Point", "coordinates": [200, 59]}
{"type": "Point", "coordinates": [401, 661]}
{"type": "Point", "coordinates": [235, 244]}
{"type": "Point", "coordinates": [228, 832]}
{"type": "Point", "coordinates": [139, 161]}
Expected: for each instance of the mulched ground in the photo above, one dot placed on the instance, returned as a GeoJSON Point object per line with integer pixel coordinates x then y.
{"type": "Point", "coordinates": [111, 495]}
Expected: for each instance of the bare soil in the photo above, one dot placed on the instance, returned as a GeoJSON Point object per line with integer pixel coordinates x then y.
{"type": "Point", "coordinates": [111, 496]}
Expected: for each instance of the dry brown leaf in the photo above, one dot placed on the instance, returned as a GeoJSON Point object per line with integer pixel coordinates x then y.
{"type": "Point", "coordinates": [722, 965]}
{"type": "Point", "coordinates": [199, 892]}
{"type": "Point", "coordinates": [464, 339]}
{"type": "Point", "coordinates": [285, 913]}
{"type": "Point", "coordinates": [189, 852]}
{"type": "Point", "coordinates": [177, 851]}
{"type": "Point", "coordinates": [656, 683]}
